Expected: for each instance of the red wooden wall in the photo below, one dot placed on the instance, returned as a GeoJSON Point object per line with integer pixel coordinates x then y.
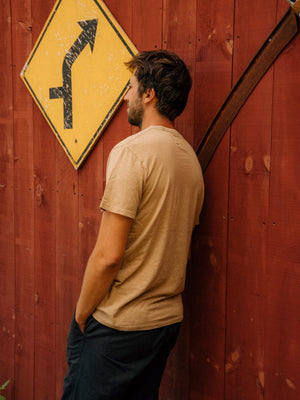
{"type": "Point", "coordinates": [240, 338]}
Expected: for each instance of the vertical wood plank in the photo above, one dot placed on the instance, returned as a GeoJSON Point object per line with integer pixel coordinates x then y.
{"type": "Point", "coordinates": [248, 212]}
{"type": "Point", "coordinates": [282, 331]}
{"type": "Point", "coordinates": [147, 24]}
{"type": "Point", "coordinates": [67, 257]}
{"type": "Point", "coordinates": [44, 149]}
{"type": "Point", "coordinates": [214, 51]}
{"type": "Point", "coordinates": [7, 264]}
{"type": "Point", "coordinates": [24, 213]}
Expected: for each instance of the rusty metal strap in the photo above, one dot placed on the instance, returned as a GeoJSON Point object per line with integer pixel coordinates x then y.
{"type": "Point", "coordinates": [282, 34]}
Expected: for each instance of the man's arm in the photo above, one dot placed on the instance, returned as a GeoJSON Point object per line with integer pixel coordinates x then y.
{"type": "Point", "coordinates": [103, 265]}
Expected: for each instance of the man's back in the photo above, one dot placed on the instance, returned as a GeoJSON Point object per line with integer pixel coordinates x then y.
{"type": "Point", "coordinates": [154, 178]}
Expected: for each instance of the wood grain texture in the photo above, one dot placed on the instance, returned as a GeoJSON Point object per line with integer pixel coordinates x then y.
{"type": "Point", "coordinates": [7, 261]}
{"type": "Point", "coordinates": [282, 330]}
{"type": "Point", "coordinates": [208, 283]}
{"type": "Point", "coordinates": [248, 213]}
{"type": "Point", "coordinates": [68, 278]}
{"type": "Point", "coordinates": [147, 20]}
{"type": "Point", "coordinates": [23, 205]}
{"type": "Point", "coordinates": [44, 153]}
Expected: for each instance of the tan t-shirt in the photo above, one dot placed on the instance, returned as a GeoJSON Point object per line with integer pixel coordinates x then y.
{"type": "Point", "coordinates": [153, 177]}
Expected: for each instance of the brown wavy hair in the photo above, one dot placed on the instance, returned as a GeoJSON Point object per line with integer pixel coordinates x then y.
{"type": "Point", "coordinates": [168, 75]}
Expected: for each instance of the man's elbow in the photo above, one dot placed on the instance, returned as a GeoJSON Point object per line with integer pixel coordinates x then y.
{"type": "Point", "coordinates": [113, 261]}
{"type": "Point", "coordinates": [106, 261]}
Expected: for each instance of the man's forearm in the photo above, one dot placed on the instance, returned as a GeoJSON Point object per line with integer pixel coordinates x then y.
{"type": "Point", "coordinates": [98, 278]}
{"type": "Point", "coordinates": [103, 265]}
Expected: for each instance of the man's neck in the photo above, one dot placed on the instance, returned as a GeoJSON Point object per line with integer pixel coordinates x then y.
{"type": "Point", "coordinates": [155, 119]}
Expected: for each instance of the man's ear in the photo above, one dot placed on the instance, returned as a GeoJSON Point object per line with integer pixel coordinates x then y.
{"type": "Point", "coordinates": [149, 95]}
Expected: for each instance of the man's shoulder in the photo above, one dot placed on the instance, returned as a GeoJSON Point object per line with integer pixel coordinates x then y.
{"type": "Point", "coordinates": [127, 142]}
{"type": "Point", "coordinates": [135, 142]}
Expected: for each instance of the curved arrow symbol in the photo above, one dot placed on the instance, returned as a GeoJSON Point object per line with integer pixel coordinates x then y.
{"type": "Point", "coordinates": [87, 36]}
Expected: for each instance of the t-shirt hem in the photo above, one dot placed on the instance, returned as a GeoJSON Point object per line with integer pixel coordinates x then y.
{"type": "Point", "coordinates": [143, 327]}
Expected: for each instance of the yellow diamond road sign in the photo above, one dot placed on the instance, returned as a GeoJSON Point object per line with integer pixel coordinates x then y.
{"type": "Point", "coordinates": [76, 72]}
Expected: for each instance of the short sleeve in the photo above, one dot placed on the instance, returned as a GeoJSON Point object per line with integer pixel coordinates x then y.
{"type": "Point", "coordinates": [124, 182]}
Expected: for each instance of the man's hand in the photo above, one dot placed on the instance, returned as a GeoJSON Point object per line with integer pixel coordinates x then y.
{"type": "Point", "coordinates": [80, 323]}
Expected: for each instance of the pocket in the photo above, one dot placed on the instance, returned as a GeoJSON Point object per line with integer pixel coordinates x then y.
{"type": "Point", "coordinates": [74, 342]}
{"type": "Point", "coordinates": [92, 327]}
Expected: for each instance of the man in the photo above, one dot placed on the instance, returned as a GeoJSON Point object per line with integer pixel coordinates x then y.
{"type": "Point", "coordinates": [130, 308]}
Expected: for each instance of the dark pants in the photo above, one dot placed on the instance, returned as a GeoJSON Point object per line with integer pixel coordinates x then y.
{"type": "Point", "coordinates": [107, 364]}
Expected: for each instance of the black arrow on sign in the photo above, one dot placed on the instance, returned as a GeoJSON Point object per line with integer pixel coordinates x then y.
{"type": "Point", "coordinates": [87, 35]}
